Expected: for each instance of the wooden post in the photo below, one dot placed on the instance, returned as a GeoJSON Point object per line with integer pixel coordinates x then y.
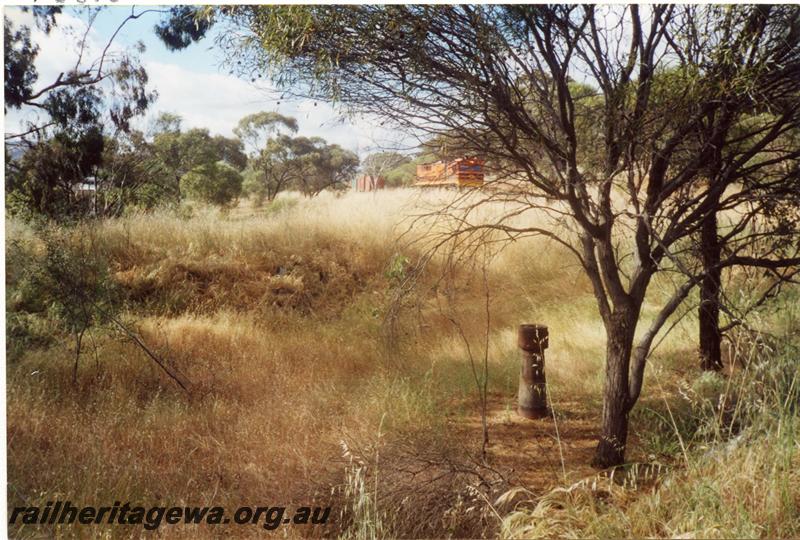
{"type": "Point", "coordinates": [532, 341]}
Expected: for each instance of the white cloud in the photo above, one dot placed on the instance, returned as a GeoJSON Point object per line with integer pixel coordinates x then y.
{"type": "Point", "coordinates": [67, 42]}
{"type": "Point", "coordinates": [217, 101]}
{"type": "Point", "coordinates": [68, 46]}
{"type": "Point", "coordinates": [204, 99]}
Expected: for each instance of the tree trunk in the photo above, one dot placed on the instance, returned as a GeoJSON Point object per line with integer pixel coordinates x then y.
{"type": "Point", "coordinates": [616, 403]}
{"type": "Point", "coordinates": [710, 337]}
{"type": "Point", "coordinates": [178, 187]}
{"type": "Point", "coordinates": [78, 341]}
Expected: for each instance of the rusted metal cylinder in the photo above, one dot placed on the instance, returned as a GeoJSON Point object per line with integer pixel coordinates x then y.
{"type": "Point", "coordinates": [532, 341]}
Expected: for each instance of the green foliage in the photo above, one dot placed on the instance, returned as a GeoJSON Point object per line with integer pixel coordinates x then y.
{"type": "Point", "coordinates": [132, 177]}
{"type": "Point", "coordinates": [380, 163]}
{"type": "Point", "coordinates": [279, 165]}
{"type": "Point", "coordinates": [26, 332]}
{"type": "Point", "coordinates": [256, 128]}
{"type": "Point", "coordinates": [62, 146]}
{"type": "Point", "coordinates": [213, 183]}
{"type": "Point", "coordinates": [62, 278]}
{"type": "Point", "coordinates": [283, 30]}
{"type": "Point", "coordinates": [182, 26]}
{"type": "Point", "coordinates": [167, 122]}
{"type": "Point", "coordinates": [395, 168]}
{"type": "Point", "coordinates": [20, 55]}
{"type": "Point", "coordinates": [404, 175]}
{"type": "Point", "coordinates": [230, 151]}
{"type": "Point", "coordinates": [44, 181]}
{"type": "Point", "coordinates": [79, 100]}
{"type": "Point", "coordinates": [308, 164]}
{"type": "Point", "coordinates": [254, 185]}
{"type": "Point", "coordinates": [397, 269]}
{"type": "Point", "coordinates": [331, 166]}
{"type": "Point", "coordinates": [400, 170]}
{"type": "Point", "coordinates": [181, 151]}
{"type": "Point", "coordinates": [68, 177]}
{"type": "Point", "coordinates": [20, 72]}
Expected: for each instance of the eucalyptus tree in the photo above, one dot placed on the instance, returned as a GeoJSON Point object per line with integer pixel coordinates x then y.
{"type": "Point", "coordinates": [379, 164]}
{"type": "Point", "coordinates": [213, 183]}
{"type": "Point", "coordinates": [761, 234]}
{"type": "Point", "coordinates": [284, 162]}
{"type": "Point", "coordinates": [57, 148]}
{"type": "Point", "coordinates": [331, 167]}
{"type": "Point", "coordinates": [502, 79]}
{"type": "Point", "coordinates": [257, 128]}
{"type": "Point", "coordinates": [91, 91]}
{"type": "Point", "coordinates": [181, 151]}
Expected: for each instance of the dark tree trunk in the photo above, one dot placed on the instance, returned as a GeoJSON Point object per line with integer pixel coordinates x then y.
{"type": "Point", "coordinates": [78, 342]}
{"type": "Point", "coordinates": [710, 337]}
{"type": "Point", "coordinates": [616, 403]}
{"type": "Point", "coordinates": [178, 186]}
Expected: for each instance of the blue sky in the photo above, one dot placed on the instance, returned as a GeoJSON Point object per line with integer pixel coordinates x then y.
{"type": "Point", "coordinates": [197, 55]}
{"type": "Point", "coordinates": [191, 82]}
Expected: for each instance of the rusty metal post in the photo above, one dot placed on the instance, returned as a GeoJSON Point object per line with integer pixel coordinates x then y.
{"type": "Point", "coordinates": [532, 341]}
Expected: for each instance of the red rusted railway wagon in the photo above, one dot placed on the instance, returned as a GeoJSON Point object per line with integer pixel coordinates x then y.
{"type": "Point", "coordinates": [368, 182]}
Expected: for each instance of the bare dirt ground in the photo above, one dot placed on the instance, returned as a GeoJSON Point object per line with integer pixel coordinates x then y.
{"type": "Point", "coordinates": [537, 454]}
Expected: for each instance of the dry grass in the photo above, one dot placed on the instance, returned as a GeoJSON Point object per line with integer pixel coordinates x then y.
{"type": "Point", "coordinates": [737, 476]}
{"type": "Point", "coordinates": [277, 317]}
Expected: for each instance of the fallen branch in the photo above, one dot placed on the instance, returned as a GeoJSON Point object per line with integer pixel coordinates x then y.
{"type": "Point", "coordinates": [173, 373]}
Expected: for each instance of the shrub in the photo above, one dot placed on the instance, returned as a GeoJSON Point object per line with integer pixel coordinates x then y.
{"type": "Point", "coordinates": [66, 283]}
{"type": "Point", "coordinates": [213, 183]}
{"type": "Point", "coordinates": [253, 186]}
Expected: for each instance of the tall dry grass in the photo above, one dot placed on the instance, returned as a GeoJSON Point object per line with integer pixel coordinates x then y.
{"type": "Point", "coordinates": [299, 396]}
{"type": "Point", "coordinates": [734, 473]}
{"type": "Point", "coordinates": [276, 317]}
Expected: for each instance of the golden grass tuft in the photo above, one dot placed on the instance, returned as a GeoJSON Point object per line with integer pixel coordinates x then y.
{"type": "Point", "coordinates": [276, 315]}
